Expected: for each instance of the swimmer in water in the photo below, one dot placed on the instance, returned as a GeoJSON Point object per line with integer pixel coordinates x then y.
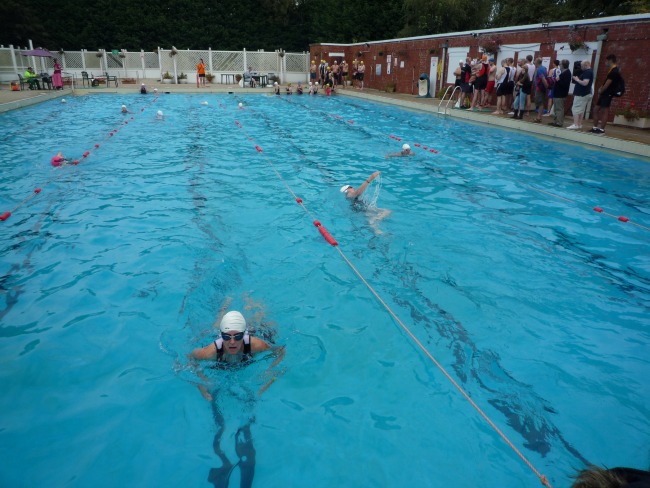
{"type": "Point", "coordinates": [375, 215]}
{"type": "Point", "coordinates": [59, 160]}
{"type": "Point", "coordinates": [160, 115]}
{"type": "Point", "coordinates": [405, 152]}
{"type": "Point", "coordinates": [124, 110]}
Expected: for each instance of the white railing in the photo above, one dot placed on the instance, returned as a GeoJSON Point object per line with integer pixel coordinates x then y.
{"type": "Point", "coordinates": [141, 65]}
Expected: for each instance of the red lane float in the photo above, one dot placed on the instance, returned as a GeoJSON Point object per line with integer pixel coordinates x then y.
{"type": "Point", "coordinates": [38, 190]}
{"type": "Point", "coordinates": [417, 144]}
{"type": "Point", "coordinates": [96, 145]}
{"type": "Point", "coordinates": [623, 219]}
{"type": "Point", "coordinates": [326, 235]}
{"type": "Point", "coordinates": [299, 200]}
{"type": "Point", "coordinates": [259, 149]}
{"type": "Point", "coordinates": [5, 216]}
{"type": "Point", "coordinates": [598, 209]}
{"type": "Point", "coordinates": [86, 154]}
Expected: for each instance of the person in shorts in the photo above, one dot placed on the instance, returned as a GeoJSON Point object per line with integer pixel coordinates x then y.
{"type": "Point", "coordinates": [605, 95]}
{"type": "Point", "coordinates": [200, 79]}
{"type": "Point", "coordinates": [581, 94]}
{"type": "Point", "coordinates": [541, 88]}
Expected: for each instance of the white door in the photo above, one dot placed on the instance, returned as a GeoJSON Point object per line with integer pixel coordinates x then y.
{"type": "Point", "coordinates": [456, 54]}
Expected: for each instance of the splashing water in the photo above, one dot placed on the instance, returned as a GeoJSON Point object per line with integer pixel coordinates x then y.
{"type": "Point", "coordinates": [371, 201]}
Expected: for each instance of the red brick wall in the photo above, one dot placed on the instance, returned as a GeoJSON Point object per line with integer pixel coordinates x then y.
{"type": "Point", "coordinates": [629, 40]}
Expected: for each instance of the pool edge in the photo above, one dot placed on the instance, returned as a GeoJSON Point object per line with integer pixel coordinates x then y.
{"type": "Point", "coordinates": [612, 144]}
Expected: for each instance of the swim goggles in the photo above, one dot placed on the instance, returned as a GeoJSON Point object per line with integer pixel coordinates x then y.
{"type": "Point", "coordinates": [238, 337]}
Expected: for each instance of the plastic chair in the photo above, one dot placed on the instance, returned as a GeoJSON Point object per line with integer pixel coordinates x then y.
{"type": "Point", "coordinates": [84, 78]}
{"type": "Point", "coordinates": [110, 78]}
{"type": "Point", "coordinates": [31, 82]}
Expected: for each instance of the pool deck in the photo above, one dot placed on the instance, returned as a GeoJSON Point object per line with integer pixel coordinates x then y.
{"type": "Point", "coordinates": [634, 142]}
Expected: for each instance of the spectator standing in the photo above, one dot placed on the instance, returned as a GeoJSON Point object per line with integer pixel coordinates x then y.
{"type": "Point", "coordinates": [200, 77]}
{"type": "Point", "coordinates": [561, 91]}
{"type": "Point", "coordinates": [554, 74]}
{"type": "Point", "coordinates": [57, 81]}
{"type": "Point", "coordinates": [541, 87]}
{"type": "Point", "coordinates": [581, 94]}
{"type": "Point", "coordinates": [605, 95]}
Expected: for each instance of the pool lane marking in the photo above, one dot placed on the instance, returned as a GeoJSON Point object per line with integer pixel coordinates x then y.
{"type": "Point", "coordinates": [330, 239]}
{"type": "Point", "coordinates": [620, 218]}
{"type": "Point", "coordinates": [5, 215]}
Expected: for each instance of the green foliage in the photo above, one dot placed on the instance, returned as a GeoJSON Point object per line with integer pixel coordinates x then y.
{"type": "Point", "coordinates": [271, 24]}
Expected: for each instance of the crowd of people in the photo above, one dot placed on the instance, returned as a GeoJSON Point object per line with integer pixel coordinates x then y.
{"type": "Point", "coordinates": [529, 87]}
{"type": "Point", "coordinates": [337, 74]}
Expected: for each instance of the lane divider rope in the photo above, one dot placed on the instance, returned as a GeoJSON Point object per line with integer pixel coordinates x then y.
{"type": "Point", "coordinates": [332, 241]}
{"type": "Point", "coordinates": [5, 215]}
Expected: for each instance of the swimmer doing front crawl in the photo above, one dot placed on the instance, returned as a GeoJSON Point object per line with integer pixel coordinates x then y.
{"type": "Point", "coordinates": [375, 215]}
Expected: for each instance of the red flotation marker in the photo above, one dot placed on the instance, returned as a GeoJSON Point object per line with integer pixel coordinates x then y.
{"type": "Point", "coordinates": [38, 190]}
{"type": "Point", "coordinates": [57, 160]}
{"type": "Point", "coordinates": [96, 145]}
{"type": "Point", "coordinates": [425, 148]}
{"type": "Point", "coordinates": [623, 219]}
{"type": "Point", "coordinates": [328, 237]}
{"type": "Point", "coordinates": [598, 209]}
{"type": "Point", "coordinates": [316, 223]}
{"type": "Point", "coordinates": [75, 162]}
{"type": "Point", "coordinates": [351, 121]}
{"type": "Point", "coordinates": [5, 216]}
{"type": "Point", "coordinates": [259, 149]}
{"type": "Point", "coordinates": [85, 155]}
{"type": "Point", "coordinates": [417, 144]}
{"type": "Point", "coordinates": [110, 133]}
{"type": "Point", "coordinates": [299, 200]}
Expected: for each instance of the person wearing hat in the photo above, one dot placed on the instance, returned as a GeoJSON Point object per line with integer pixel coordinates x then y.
{"type": "Point", "coordinates": [124, 110]}
{"type": "Point", "coordinates": [352, 193]}
{"type": "Point", "coordinates": [405, 152]}
{"type": "Point", "coordinates": [234, 345]}
{"type": "Point", "coordinates": [312, 71]}
{"type": "Point", "coordinates": [361, 73]}
{"type": "Point", "coordinates": [143, 89]}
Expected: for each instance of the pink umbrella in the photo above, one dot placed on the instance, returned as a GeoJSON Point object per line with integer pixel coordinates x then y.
{"type": "Point", "coordinates": [39, 52]}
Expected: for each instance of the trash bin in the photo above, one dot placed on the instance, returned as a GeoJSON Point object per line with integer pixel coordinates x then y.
{"type": "Point", "coordinates": [424, 86]}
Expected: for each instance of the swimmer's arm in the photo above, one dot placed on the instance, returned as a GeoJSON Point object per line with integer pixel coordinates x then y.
{"type": "Point", "coordinates": [207, 352]}
{"type": "Point", "coordinates": [202, 353]}
{"type": "Point", "coordinates": [280, 352]}
{"type": "Point", "coordinates": [363, 187]}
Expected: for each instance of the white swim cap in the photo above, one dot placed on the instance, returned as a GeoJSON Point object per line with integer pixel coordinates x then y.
{"type": "Point", "coordinates": [123, 106]}
{"type": "Point", "coordinates": [344, 188]}
{"type": "Point", "coordinates": [143, 84]}
{"type": "Point", "coordinates": [63, 100]}
{"type": "Point", "coordinates": [275, 83]}
{"type": "Point", "coordinates": [241, 105]}
{"type": "Point", "coordinates": [406, 147]}
{"type": "Point", "coordinates": [155, 90]}
{"type": "Point", "coordinates": [204, 103]}
{"type": "Point", "coordinates": [160, 113]}
{"type": "Point", "coordinates": [233, 322]}
{"type": "Point", "coordinates": [316, 83]}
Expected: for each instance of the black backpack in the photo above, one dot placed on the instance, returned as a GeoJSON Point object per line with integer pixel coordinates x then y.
{"type": "Point", "coordinates": [620, 89]}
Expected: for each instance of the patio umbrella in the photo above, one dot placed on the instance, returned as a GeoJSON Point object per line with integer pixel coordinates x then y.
{"type": "Point", "coordinates": [40, 53]}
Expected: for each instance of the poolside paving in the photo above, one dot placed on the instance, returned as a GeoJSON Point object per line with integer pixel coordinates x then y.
{"type": "Point", "coordinates": [618, 138]}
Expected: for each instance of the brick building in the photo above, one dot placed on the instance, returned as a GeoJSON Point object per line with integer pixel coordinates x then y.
{"type": "Point", "coordinates": [398, 63]}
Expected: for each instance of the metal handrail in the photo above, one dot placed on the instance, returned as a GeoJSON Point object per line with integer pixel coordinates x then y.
{"type": "Point", "coordinates": [451, 97]}
{"type": "Point", "coordinates": [443, 98]}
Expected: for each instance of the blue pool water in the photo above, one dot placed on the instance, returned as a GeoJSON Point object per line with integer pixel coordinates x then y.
{"type": "Point", "coordinates": [535, 304]}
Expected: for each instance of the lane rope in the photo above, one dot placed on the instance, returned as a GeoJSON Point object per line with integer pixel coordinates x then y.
{"type": "Point", "coordinates": [74, 162]}
{"type": "Point", "coordinates": [332, 241]}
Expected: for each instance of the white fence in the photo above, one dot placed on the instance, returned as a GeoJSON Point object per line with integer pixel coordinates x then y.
{"type": "Point", "coordinates": [223, 65]}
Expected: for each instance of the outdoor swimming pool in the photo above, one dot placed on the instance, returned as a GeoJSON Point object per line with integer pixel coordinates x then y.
{"type": "Point", "coordinates": [492, 255]}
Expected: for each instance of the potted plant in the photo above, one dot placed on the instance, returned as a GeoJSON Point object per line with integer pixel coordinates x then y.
{"type": "Point", "coordinates": [209, 77]}
{"type": "Point", "coordinates": [182, 78]}
{"type": "Point", "coordinates": [633, 117]}
{"type": "Point", "coordinates": [167, 78]}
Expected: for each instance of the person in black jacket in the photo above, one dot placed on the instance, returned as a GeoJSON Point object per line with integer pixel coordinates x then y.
{"type": "Point", "coordinates": [560, 92]}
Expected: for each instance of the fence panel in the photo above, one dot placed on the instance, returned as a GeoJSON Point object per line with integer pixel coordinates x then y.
{"type": "Point", "coordinates": [129, 64]}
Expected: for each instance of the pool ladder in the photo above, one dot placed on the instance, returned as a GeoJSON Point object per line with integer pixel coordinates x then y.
{"type": "Point", "coordinates": [451, 98]}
